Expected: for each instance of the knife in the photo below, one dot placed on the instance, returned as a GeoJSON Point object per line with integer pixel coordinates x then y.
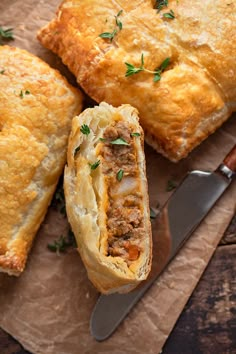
{"type": "Point", "coordinates": [180, 216]}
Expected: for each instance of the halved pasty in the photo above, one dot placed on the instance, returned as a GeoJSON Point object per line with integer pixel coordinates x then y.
{"type": "Point", "coordinates": [106, 197]}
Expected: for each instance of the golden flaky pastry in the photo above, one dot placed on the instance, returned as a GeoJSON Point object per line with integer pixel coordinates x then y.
{"type": "Point", "coordinates": [197, 90]}
{"type": "Point", "coordinates": [106, 197]}
{"type": "Point", "coordinates": [36, 108]}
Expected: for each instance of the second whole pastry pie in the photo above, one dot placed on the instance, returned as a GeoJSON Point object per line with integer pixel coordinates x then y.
{"type": "Point", "coordinates": [172, 60]}
{"type": "Point", "coordinates": [36, 109]}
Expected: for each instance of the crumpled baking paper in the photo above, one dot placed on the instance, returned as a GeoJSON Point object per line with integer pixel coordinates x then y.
{"type": "Point", "coordinates": [48, 308]}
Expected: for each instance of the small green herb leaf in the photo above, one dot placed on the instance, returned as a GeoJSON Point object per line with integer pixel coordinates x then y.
{"type": "Point", "coordinates": [135, 134]}
{"type": "Point", "coordinates": [59, 199]}
{"type": "Point", "coordinates": [131, 69]}
{"type": "Point", "coordinates": [76, 150]}
{"type": "Point", "coordinates": [2, 72]}
{"type": "Point", "coordinates": [62, 243]}
{"type": "Point", "coordinates": [160, 4]}
{"type": "Point", "coordinates": [157, 77]}
{"type": "Point", "coordinates": [119, 141]}
{"type": "Point", "coordinates": [108, 35]}
{"type": "Point", "coordinates": [169, 15]}
{"type": "Point", "coordinates": [6, 35]}
{"type": "Point", "coordinates": [22, 93]}
{"type": "Point", "coordinates": [118, 21]}
{"type": "Point", "coordinates": [171, 185]}
{"type": "Point", "coordinates": [102, 139]}
{"type": "Point", "coordinates": [85, 129]}
{"type": "Point", "coordinates": [153, 214]}
{"type": "Point", "coordinates": [59, 245]}
{"type": "Point", "coordinates": [164, 64]}
{"type": "Point", "coordinates": [94, 165]}
{"type": "Point", "coordinates": [119, 13]}
{"type": "Point", "coordinates": [142, 60]}
{"type": "Point", "coordinates": [120, 175]}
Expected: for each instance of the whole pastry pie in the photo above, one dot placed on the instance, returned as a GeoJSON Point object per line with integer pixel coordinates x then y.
{"type": "Point", "coordinates": [175, 61]}
{"type": "Point", "coordinates": [36, 108]}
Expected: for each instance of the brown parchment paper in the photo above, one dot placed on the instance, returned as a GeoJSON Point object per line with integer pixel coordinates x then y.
{"type": "Point", "coordinates": [48, 308]}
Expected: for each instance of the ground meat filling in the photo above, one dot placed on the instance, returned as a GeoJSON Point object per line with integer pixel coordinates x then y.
{"type": "Point", "coordinates": [125, 211]}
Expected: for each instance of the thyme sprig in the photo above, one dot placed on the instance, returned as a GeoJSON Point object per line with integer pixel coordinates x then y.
{"type": "Point", "coordinates": [62, 243]}
{"type": "Point", "coordinates": [131, 69]}
{"type": "Point", "coordinates": [119, 26]}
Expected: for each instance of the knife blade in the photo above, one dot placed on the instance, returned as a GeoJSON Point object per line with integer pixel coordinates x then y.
{"type": "Point", "coordinates": [180, 216]}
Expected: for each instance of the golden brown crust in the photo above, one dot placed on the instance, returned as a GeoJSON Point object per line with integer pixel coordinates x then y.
{"type": "Point", "coordinates": [196, 93]}
{"type": "Point", "coordinates": [87, 198]}
{"type": "Point", "coordinates": [36, 108]}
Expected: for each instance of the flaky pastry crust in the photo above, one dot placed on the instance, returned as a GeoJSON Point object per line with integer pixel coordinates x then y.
{"type": "Point", "coordinates": [197, 91]}
{"type": "Point", "coordinates": [91, 194]}
{"type": "Point", "coordinates": [36, 108]}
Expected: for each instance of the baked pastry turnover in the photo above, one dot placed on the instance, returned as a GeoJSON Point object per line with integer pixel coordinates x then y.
{"type": "Point", "coordinates": [189, 46]}
{"type": "Point", "coordinates": [106, 197]}
{"type": "Point", "coordinates": [36, 108]}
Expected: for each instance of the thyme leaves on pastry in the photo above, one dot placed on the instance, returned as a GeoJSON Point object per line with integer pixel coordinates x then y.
{"type": "Point", "coordinates": [108, 35]}
{"type": "Point", "coordinates": [160, 4]}
{"type": "Point", "coordinates": [118, 21]}
{"type": "Point", "coordinates": [23, 93]}
{"type": "Point", "coordinates": [119, 141]}
{"type": "Point", "coordinates": [6, 35]}
{"type": "Point", "coordinates": [94, 165]}
{"type": "Point", "coordinates": [119, 26]}
{"type": "Point", "coordinates": [169, 15]}
{"type": "Point", "coordinates": [85, 129]}
{"type": "Point", "coordinates": [131, 69]}
{"type": "Point", "coordinates": [120, 175]}
{"type": "Point", "coordinates": [135, 134]}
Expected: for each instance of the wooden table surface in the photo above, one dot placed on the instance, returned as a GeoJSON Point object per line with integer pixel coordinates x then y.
{"type": "Point", "coordinates": [208, 323]}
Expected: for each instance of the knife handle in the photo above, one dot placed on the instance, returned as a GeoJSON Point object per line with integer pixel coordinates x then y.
{"type": "Point", "coordinates": [230, 160]}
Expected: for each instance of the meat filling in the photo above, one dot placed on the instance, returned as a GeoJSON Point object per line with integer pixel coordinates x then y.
{"type": "Point", "coordinates": [125, 212]}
